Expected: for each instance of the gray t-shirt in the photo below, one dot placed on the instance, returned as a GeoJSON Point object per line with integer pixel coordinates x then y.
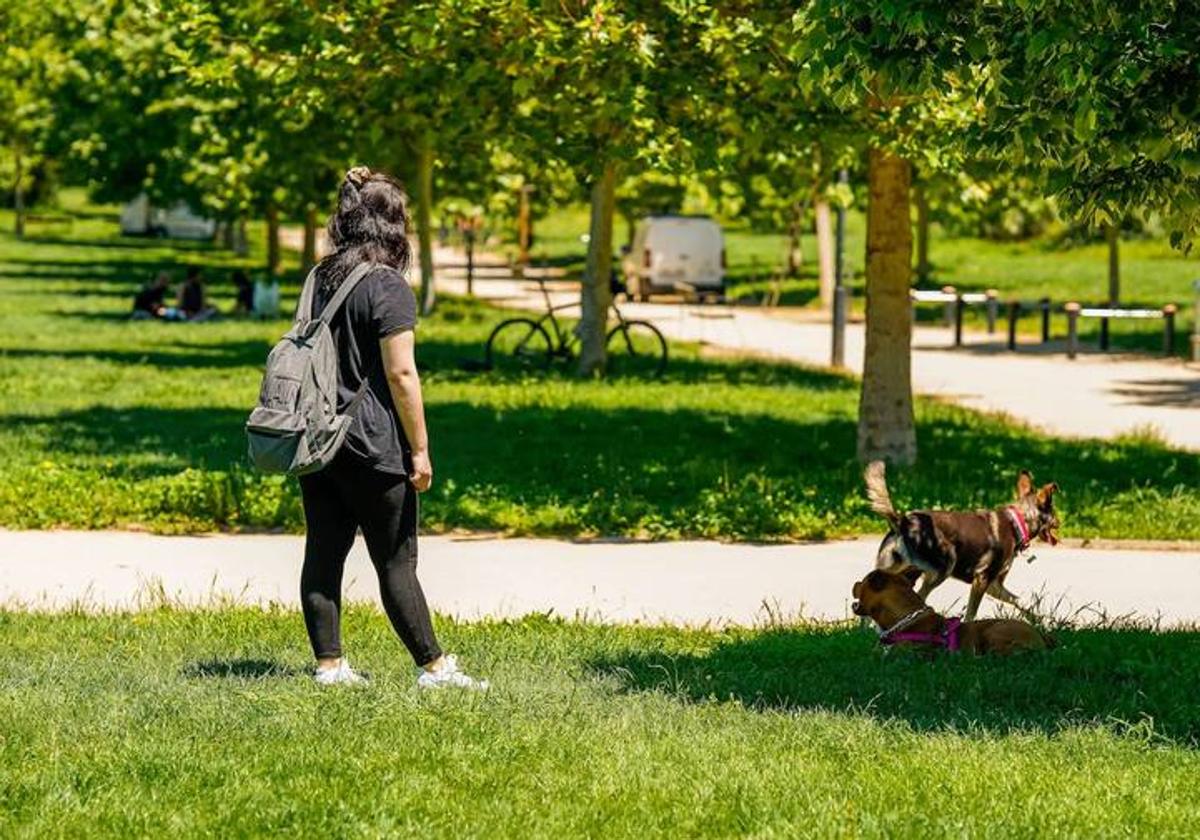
{"type": "Point", "coordinates": [381, 304]}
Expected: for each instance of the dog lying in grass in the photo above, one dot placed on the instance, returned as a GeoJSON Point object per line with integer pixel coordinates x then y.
{"type": "Point", "coordinates": [904, 618]}
{"type": "Point", "coordinates": [977, 547]}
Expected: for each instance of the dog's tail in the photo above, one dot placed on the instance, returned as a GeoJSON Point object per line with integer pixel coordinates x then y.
{"type": "Point", "coordinates": [877, 493]}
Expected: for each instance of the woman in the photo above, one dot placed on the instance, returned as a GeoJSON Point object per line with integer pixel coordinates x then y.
{"type": "Point", "coordinates": [373, 481]}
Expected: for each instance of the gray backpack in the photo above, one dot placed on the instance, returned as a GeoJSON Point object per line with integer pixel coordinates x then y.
{"type": "Point", "coordinates": [296, 428]}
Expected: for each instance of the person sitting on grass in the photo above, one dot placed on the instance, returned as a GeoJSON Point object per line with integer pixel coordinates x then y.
{"type": "Point", "coordinates": [244, 302]}
{"type": "Point", "coordinates": [384, 462]}
{"type": "Point", "coordinates": [193, 300]}
{"type": "Point", "coordinates": [148, 303]}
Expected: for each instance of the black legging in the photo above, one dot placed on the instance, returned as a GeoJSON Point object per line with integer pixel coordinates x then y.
{"type": "Point", "coordinates": [338, 500]}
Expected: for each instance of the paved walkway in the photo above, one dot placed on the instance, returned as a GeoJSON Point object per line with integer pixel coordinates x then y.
{"type": "Point", "coordinates": [682, 582]}
{"type": "Point", "coordinates": [1094, 396]}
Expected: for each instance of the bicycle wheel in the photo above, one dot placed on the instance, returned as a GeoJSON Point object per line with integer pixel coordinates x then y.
{"type": "Point", "coordinates": [636, 348]}
{"type": "Point", "coordinates": [518, 345]}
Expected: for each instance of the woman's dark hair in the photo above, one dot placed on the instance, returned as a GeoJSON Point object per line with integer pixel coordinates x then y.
{"type": "Point", "coordinates": [370, 225]}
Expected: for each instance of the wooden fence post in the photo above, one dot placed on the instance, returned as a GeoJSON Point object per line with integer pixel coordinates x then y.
{"type": "Point", "coordinates": [993, 310]}
{"type": "Point", "coordinates": [1072, 310]}
{"type": "Point", "coordinates": [1169, 329]}
{"type": "Point", "coordinates": [949, 305]}
{"type": "Point", "coordinates": [1014, 312]}
{"type": "Point", "coordinates": [959, 306]}
{"type": "Point", "coordinates": [1044, 303]}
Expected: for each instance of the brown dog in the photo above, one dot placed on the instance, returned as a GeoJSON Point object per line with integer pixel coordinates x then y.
{"type": "Point", "coordinates": [977, 547]}
{"type": "Point", "coordinates": [904, 618]}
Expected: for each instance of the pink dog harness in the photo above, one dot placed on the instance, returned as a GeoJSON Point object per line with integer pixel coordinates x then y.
{"type": "Point", "coordinates": [948, 638]}
{"type": "Point", "coordinates": [1020, 528]}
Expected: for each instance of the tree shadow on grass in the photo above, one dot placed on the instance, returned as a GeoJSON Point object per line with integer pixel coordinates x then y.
{"type": "Point", "coordinates": [174, 354]}
{"type": "Point", "coordinates": [782, 469]}
{"type": "Point", "coordinates": [244, 669]}
{"type": "Point", "coordinates": [1135, 681]}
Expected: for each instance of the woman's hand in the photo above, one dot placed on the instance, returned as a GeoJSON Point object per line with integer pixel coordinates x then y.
{"type": "Point", "coordinates": [422, 471]}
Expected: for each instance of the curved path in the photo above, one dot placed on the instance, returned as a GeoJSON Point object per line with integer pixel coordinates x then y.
{"type": "Point", "coordinates": [1096, 395]}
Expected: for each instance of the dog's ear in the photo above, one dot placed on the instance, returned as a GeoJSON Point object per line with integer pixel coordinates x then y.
{"type": "Point", "coordinates": [912, 574]}
{"type": "Point", "coordinates": [1045, 496]}
{"type": "Point", "coordinates": [1024, 484]}
{"type": "Point", "coordinates": [857, 588]}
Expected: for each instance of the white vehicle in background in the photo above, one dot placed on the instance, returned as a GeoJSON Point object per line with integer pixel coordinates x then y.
{"type": "Point", "coordinates": [140, 218]}
{"type": "Point", "coordinates": [675, 255]}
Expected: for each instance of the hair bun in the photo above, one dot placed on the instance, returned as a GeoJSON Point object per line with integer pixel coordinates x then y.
{"type": "Point", "coordinates": [357, 176]}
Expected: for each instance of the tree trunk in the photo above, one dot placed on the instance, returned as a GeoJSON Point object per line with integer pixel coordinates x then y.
{"type": "Point", "coordinates": [308, 257]}
{"type": "Point", "coordinates": [19, 198]}
{"type": "Point", "coordinates": [825, 254]}
{"type": "Point", "coordinates": [524, 227]}
{"type": "Point", "coordinates": [923, 266]}
{"type": "Point", "coordinates": [241, 243]}
{"type": "Point", "coordinates": [227, 234]}
{"type": "Point", "coordinates": [1112, 234]}
{"type": "Point", "coordinates": [597, 293]}
{"type": "Point", "coordinates": [425, 221]}
{"type": "Point", "coordinates": [885, 412]}
{"type": "Point", "coordinates": [795, 255]}
{"type": "Point", "coordinates": [272, 240]}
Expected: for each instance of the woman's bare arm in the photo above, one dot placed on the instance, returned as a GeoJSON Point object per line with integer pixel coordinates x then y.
{"type": "Point", "coordinates": [400, 366]}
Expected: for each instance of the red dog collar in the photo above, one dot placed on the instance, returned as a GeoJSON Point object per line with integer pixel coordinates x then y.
{"type": "Point", "coordinates": [1022, 530]}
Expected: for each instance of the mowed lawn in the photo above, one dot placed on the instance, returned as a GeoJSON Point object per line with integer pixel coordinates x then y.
{"type": "Point", "coordinates": [205, 723]}
{"type": "Point", "coordinates": [107, 422]}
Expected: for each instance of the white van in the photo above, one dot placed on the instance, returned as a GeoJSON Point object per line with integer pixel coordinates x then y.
{"type": "Point", "coordinates": [140, 218]}
{"type": "Point", "coordinates": [674, 254]}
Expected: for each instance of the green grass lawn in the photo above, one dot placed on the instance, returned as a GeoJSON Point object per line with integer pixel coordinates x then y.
{"type": "Point", "coordinates": [106, 422]}
{"type": "Point", "coordinates": [1153, 274]}
{"type": "Point", "coordinates": [204, 723]}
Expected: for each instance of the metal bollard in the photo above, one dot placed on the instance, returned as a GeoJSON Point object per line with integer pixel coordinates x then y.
{"type": "Point", "coordinates": [1072, 310]}
{"type": "Point", "coordinates": [1014, 312]}
{"type": "Point", "coordinates": [1169, 329]}
{"type": "Point", "coordinates": [840, 298]}
{"type": "Point", "coordinates": [959, 307]}
{"type": "Point", "coordinates": [1044, 303]}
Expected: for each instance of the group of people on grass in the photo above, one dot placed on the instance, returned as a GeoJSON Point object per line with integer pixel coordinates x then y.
{"type": "Point", "coordinates": [191, 299]}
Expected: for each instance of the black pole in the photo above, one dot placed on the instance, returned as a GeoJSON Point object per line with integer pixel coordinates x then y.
{"type": "Point", "coordinates": [469, 237]}
{"type": "Point", "coordinates": [839, 289]}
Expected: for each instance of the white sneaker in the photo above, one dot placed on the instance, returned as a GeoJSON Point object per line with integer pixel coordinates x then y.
{"type": "Point", "coordinates": [448, 676]}
{"type": "Point", "coordinates": [343, 674]}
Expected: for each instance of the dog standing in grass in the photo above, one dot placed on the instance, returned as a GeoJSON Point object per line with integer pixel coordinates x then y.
{"type": "Point", "coordinates": [976, 547]}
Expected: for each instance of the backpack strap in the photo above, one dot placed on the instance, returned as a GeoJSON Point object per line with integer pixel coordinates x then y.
{"type": "Point", "coordinates": [304, 307]}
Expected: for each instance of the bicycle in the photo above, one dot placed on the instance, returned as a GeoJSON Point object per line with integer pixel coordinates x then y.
{"type": "Point", "coordinates": [524, 344]}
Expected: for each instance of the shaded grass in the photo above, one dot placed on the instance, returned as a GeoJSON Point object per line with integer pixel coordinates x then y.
{"type": "Point", "coordinates": [108, 423]}
{"type": "Point", "coordinates": [203, 723]}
